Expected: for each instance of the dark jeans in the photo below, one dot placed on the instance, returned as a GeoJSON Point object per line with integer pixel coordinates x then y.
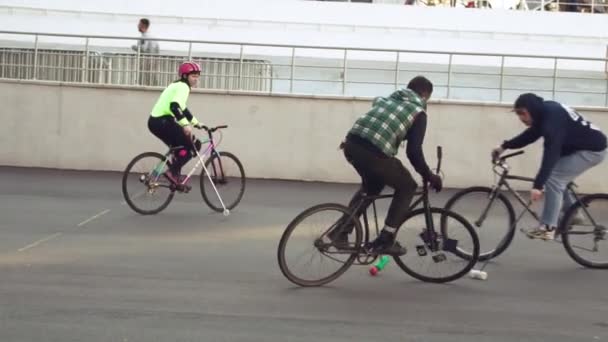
{"type": "Point", "coordinates": [378, 170]}
{"type": "Point", "coordinates": [172, 134]}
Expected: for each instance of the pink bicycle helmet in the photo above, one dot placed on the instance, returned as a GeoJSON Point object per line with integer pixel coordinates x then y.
{"type": "Point", "coordinates": [188, 68]}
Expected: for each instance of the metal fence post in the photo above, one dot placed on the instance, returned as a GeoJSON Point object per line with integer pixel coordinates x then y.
{"type": "Point", "coordinates": [554, 77]}
{"type": "Point", "coordinates": [606, 95]}
{"type": "Point", "coordinates": [502, 78]}
{"type": "Point", "coordinates": [606, 76]}
{"type": "Point", "coordinates": [241, 69]}
{"type": "Point", "coordinates": [606, 62]}
{"type": "Point", "coordinates": [449, 76]}
{"type": "Point", "coordinates": [85, 62]}
{"type": "Point", "coordinates": [344, 72]}
{"type": "Point", "coordinates": [137, 63]}
{"type": "Point", "coordinates": [397, 71]}
{"type": "Point", "coordinates": [293, 66]}
{"type": "Point", "coordinates": [35, 74]}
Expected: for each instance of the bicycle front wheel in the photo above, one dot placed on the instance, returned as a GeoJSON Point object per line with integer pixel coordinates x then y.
{"type": "Point", "coordinates": [227, 176]}
{"type": "Point", "coordinates": [305, 243]}
{"type": "Point", "coordinates": [432, 254]}
{"type": "Point", "coordinates": [491, 213]}
{"type": "Point", "coordinates": [584, 232]}
{"type": "Point", "coordinates": [144, 187]}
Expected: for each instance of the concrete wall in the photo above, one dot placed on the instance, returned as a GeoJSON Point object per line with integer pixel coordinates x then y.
{"type": "Point", "coordinates": [285, 137]}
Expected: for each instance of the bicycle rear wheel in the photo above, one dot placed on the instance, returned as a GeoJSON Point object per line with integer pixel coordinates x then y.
{"type": "Point", "coordinates": [228, 176]}
{"type": "Point", "coordinates": [491, 214]}
{"type": "Point", "coordinates": [434, 257]}
{"type": "Point", "coordinates": [584, 233]}
{"type": "Point", "coordinates": [305, 240]}
{"type": "Point", "coordinates": [144, 187]}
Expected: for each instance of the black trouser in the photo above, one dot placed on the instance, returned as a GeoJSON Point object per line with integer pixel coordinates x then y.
{"type": "Point", "coordinates": [172, 134]}
{"type": "Point", "coordinates": [378, 170]}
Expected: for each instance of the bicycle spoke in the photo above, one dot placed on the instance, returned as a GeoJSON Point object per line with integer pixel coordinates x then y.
{"type": "Point", "coordinates": [305, 255]}
{"type": "Point", "coordinates": [445, 263]}
{"type": "Point", "coordinates": [584, 241]}
{"type": "Point", "coordinates": [223, 183]}
{"type": "Point", "coordinates": [144, 192]}
{"type": "Point", "coordinates": [493, 221]}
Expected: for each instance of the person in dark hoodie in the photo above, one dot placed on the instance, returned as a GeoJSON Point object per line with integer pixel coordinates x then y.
{"type": "Point", "coordinates": [572, 145]}
{"type": "Point", "coordinates": [370, 147]}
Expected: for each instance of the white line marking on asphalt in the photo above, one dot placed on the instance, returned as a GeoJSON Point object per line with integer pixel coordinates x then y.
{"type": "Point", "coordinates": [93, 217]}
{"type": "Point", "coordinates": [34, 244]}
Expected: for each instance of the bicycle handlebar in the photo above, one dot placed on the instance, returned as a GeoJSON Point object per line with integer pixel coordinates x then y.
{"type": "Point", "coordinates": [439, 156]}
{"type": "Point", "coordinates": [505, 157]}
{"type": "Point", "coordinates": [212, 129]}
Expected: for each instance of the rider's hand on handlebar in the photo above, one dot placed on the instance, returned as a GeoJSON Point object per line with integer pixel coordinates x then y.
{"type": "Point", "coordinates": [435, 182]}
{"type": "Point", "coordinates": [496, 152]}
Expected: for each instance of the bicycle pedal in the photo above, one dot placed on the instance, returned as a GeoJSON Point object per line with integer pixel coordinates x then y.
{"type": "Point", "coordinates": [439, 258]}
{"type": "Point", "coordinates": [421, 250]}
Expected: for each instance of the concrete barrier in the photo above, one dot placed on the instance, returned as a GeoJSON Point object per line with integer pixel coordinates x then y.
{"type": "Point", "coordinates": [284, 137]}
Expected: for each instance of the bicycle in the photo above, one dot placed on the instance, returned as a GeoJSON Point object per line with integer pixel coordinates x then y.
{"type": "Point", "coordinates": [429, 245]}
{"type": "Point", "coordinates": [220, 171]}
{"type": "Point", "coordinates": [493, 197]}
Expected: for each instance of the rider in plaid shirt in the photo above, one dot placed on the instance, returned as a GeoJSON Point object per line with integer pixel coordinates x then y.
{"type": "Point", "coordinates": [386, 124]}
{"type": "Point", "coordinates": [371, 146]}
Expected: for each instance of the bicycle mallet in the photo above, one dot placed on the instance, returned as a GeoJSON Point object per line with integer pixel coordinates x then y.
{"type": "Point", "coordinates": [480, 274]}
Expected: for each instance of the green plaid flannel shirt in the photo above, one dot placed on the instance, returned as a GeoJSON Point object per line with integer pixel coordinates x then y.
{"type": "Point", "coordinates": [386, 124]}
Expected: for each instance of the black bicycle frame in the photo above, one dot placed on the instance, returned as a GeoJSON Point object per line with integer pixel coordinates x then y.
{"type": "Point", "coordinates": [423, 197]}
{"type": "Point", "coordinates": [367, 200]}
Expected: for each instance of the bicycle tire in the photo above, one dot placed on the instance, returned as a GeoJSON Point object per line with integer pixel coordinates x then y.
{"type": "Point", "coordinates": [214, 176]}
{"type": "Point", "coordinates": [568, 216]}
{"type": "Point", "coordinates": [506, 238]}
{"type": "Point", "coordinates": [125, 191]}
{"type": "Point", "coordinates": [470, 262]}
{"type": "Point", "coordinates": [281, 250]}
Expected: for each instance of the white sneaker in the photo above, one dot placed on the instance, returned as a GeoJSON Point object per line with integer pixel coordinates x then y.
{"type": "Point", "coordinates": [540, 232]}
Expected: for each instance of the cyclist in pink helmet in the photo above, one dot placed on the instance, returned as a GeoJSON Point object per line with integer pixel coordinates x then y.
{"type": "Point", "coordinates": [171, 120]}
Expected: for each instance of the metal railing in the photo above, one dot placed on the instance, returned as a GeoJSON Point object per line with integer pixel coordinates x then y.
{"type": "Point", "coordinates": [128, 69]}
{"type": "Point", "coordinates": [309, 70]}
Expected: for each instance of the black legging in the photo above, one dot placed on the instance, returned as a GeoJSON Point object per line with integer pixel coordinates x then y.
{"type": "Point", "coordinates": [172, 134]}
{"type": "Point", "coordinates": [378, 170]}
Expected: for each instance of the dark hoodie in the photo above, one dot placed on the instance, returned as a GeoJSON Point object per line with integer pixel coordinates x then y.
{"type": "Point", "coordinates": [564, 131]}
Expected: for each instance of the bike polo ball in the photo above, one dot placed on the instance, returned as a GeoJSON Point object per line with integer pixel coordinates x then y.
{"type": "Point", "coordinates": [480, 275]}
{"type": "Point", "coordinates": [373, 271]}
